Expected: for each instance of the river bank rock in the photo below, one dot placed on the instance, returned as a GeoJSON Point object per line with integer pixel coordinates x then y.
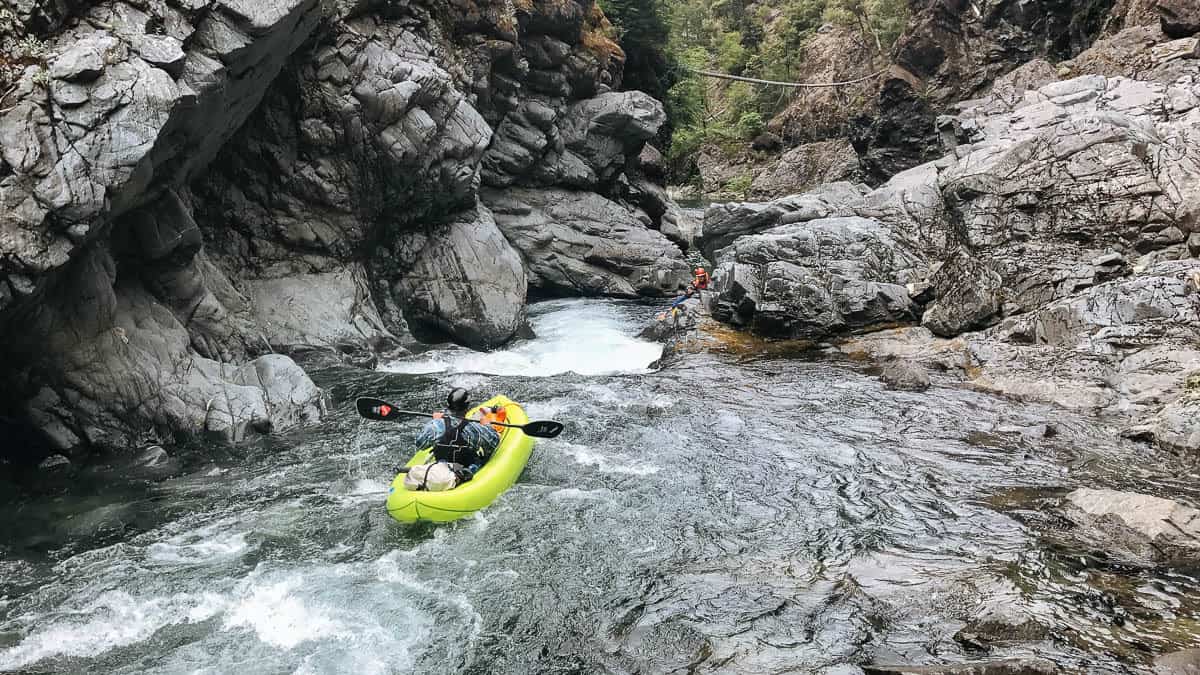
{"type": "Point", "coordinates": [1186, 662]}
{"type": "Point", "coordinates": [1137, 527]}
{"type": "Point", "coordinates": [816, 279]}
{"type": "Point", "coordinates": [1176, 426]}
{"type": "Point", "coordinates": [669, 324]}
{"type": "Point", "coordinates": [904, 375]}
{"type": "Point", "coordinates": [468, 282]}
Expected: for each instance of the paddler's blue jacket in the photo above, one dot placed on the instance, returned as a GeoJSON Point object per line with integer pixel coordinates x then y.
{"type": "Point", "coordinates": [482, 438]}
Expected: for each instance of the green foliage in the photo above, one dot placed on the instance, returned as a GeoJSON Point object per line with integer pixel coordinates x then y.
{"type": "Point", "coordinates": [643, 34]}
{"type": "Point", "coordinates": [731, 55]}
{"type": "Point", "coordinates": [750, 125]}
{"type": "Point", "coordinates": [740, 185]}
{"type": "Point", "coordinates": [765, 39]}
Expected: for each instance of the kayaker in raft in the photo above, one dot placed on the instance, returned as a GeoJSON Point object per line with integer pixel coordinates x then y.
{"type": "Point", "coordinates": [700, 281]}
{"type": "Point", "coordinates": [458, 440]}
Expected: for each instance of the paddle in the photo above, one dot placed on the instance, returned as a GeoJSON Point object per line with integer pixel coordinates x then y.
{"type": "Point", "coordinates": [375, 409]}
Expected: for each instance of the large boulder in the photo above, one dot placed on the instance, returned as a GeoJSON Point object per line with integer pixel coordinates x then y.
{"type": "Point", "coordinates": [816, 279]}
{"type": "Point", "coordinates": [968, 293]}
{"type": "Point", "coordinates": [1134, 526]}
{"type": "Point", "coordinates": [467, 282]}
{"type": "Point", "coordinates": [581, 243]}
{"type": "Point", "coordinates": [1180, 18]}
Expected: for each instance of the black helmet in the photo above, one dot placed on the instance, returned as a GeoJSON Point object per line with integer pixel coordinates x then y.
{"type": "Point", "coordinates": [458, 400]}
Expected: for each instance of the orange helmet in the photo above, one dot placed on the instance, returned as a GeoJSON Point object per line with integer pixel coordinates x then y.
{"type": "Point", "coordinates": [699, 270]}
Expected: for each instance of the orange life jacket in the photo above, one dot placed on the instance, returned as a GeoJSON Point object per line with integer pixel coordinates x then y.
{"type": "Point", "coordinates": [500, 415]}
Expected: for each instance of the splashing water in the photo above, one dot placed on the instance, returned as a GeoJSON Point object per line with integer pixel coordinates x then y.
{"type": "Point", "coordinates": [586, 337]}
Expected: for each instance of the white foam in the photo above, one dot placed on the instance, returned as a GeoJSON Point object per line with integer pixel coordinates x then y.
{"type": "Point", "coordinates": [114, 619]}
{"type": "Point", "coordinates": [589, 456]}
{"type": "Point", "coordinates": [281, 619]}
{"type": "Point", "coordinates": [588, 337]}
{"type": "Point", "coordinates": [580, 495]}
{"type": "Point", "coordinates": [198, 548]}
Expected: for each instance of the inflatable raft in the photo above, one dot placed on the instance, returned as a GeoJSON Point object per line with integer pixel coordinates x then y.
{"type": "Point", "coordinates": [501, 471]}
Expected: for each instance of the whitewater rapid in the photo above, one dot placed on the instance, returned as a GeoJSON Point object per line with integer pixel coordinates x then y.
{"type": "Point", "coordinates": [585, 337]}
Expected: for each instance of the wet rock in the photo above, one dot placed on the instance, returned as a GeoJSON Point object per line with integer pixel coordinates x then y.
{"type": "Point", "coordinates": [999, 667]}
{"type": "Point", "coordinates": [672, 323]}
{"type": "Point", "coordinates": [152, 457]}
{"type": "Point", "coordinates": [904, 375]}
{"type": "Point", "coordinates": [1186, 662]}
{"type": "Point", "coordinates": [55, 463]}
{"type": "Point", "coordinates": [467, 282]}
{"type": "Point", "coordinates": [581, 243]}
{"type": "Point", "coordinates": [1180, 18]}
{"type": "Point", "coordinates": [1128, 343]}
{"type": "Point", "coordinates": [1135, 526]}
{"type": "Point", "coordinates": [916, 344]}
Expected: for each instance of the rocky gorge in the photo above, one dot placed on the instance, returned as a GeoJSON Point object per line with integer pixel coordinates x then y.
{"type": "Point", "coordinates": [1048, 254]}
{"type": "Point", "coordinates": [190, 190]}
{"type": "Point", "coordinates": [222, 221]}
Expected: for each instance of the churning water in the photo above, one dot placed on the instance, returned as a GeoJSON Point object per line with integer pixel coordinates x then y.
{"type": "Point", "coordinates": [588, 337]}
{"type": "Point", "coordinates": [721, 514]}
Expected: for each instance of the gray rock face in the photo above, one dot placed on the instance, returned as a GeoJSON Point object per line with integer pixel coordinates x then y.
{"type": "Point", "coordinates": [1180, 18]}
{"type": "Point", "coordinates": [904, 375]}
{"type": "Point", "coordinates": [1176, 426]}
{"type": "Point", "coordinates": [1186, 662]}
{"type": "Point", "coordinates": [581, 243]}
{"type": "Point", "coordinates": [1129, 344]}
{"type": "Point", "coordinates": [186, 189]}
{"type": "Point", "coordinates": [724, 223]}
{"type": "Point", "coordinates": [1140, 527]}
{"type": "Point", "coordinates": [816, 279]}
{"type": "Point", "coordinates": [323, 311]}
{"type": "Point", "coordinates": [586, 146]}
{"type": "Point", "coordinates": [968, 294]}
{"type": "Point", "coordinates": [468, 282]}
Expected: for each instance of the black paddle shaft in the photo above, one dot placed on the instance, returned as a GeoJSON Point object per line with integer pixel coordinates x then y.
{"type": "Point", "coordinates": [376, 409]}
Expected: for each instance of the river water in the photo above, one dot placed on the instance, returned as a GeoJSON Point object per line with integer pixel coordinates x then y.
{"type": "Point", "coordinates": [724, 513]}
